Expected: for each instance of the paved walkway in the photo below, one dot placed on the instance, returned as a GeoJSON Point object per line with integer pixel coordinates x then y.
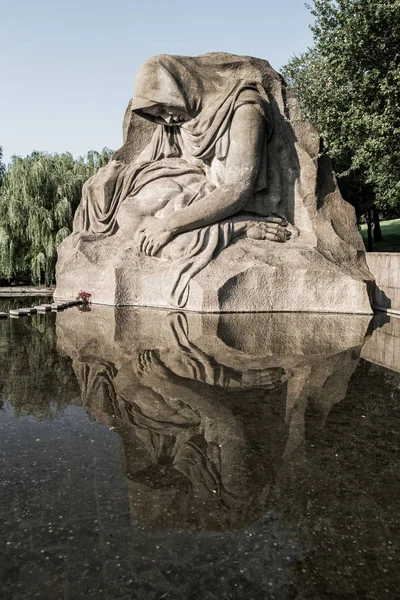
{"type": "Point", "coordinates": [20, 290]}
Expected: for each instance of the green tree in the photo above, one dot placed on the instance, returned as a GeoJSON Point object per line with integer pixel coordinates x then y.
{"type": "Point", "coordinates": [349, 86]}
{"type": "Point", "coordinates": [38, 199]}
{"type": "Point", "coordinates": [2, 167]}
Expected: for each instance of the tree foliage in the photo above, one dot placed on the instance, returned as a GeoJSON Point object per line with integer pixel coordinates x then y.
{"type": "Point", "coordinates": [349, 86]}
{"type": "Point", "coordinates": [2, 167]}
{"type": "Point", "coordinates": [38, 199]}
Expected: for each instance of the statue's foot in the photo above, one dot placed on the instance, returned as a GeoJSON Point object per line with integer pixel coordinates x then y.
{"type": "Point", "coordinates": [262, 230]}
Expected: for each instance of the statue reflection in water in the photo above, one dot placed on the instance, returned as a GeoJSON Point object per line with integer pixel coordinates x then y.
{"type": "Point", "coordinates": [210, 409]}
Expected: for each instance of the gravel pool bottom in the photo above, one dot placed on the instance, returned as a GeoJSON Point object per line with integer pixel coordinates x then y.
{"type": "Point", "coordinates": [151, 454]}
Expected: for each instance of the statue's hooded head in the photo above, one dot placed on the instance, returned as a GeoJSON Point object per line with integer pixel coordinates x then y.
{"type": "Point", "coordinates": [171, 90]}
{"type": "Point", "coordinates": [201, 95]}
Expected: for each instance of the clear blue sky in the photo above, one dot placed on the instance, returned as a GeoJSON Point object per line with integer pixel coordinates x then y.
{"type": "Point", "coordinates": [67, 66]}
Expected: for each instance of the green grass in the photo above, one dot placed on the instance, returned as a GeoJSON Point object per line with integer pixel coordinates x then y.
{"type": "Point", "coordinates": [390, 235]}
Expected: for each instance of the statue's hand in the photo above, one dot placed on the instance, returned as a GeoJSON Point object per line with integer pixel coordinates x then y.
{"type": "Point", "coordinates": [273, 229]}
{"type": "Point", "coordinates": [153, 235]}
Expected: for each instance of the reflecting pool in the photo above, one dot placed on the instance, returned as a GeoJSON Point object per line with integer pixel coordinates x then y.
{"type": "Point", "coordinates": [151, 454]}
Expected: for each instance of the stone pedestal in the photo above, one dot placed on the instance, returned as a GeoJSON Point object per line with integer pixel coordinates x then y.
{"type": "Point", "coordinates": [248, 276]}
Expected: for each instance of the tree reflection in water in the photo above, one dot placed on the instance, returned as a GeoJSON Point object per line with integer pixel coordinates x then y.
{"type": "Point", "coordinates": [36, 378]}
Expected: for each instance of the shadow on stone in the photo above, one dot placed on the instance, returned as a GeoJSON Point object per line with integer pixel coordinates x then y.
{"type": "Point", "coordinates": [381, 300]}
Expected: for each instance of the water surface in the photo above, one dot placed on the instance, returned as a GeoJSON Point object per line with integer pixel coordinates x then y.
{"type": "Point", "coordinates": [148, 454]}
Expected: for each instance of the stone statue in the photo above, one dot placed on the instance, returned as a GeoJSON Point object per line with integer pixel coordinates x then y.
{"type": "Point", "coordinates": [218, 201]}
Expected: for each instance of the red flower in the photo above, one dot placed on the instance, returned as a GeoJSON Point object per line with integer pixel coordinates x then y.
{"type": "Point", "coordinates": [84, 296]}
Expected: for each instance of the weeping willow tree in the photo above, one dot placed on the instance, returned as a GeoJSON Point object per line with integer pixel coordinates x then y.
{"type": "Point", "coordinates": [39, 196]}
{"type": "Point", "coordinates": [2, 167]}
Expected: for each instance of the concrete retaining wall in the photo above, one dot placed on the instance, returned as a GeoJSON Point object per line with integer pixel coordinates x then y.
{"type": "Point", "coordinates": [383, 347]}
{"type": "Point", "coordinates": [385, 266]}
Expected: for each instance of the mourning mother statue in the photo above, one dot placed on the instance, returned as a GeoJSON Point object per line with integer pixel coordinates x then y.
{"type": "Point", "coordinates": [218, 200]}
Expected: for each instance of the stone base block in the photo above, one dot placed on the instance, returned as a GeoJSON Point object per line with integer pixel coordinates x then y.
{"type": "Point", "coordinates": [248, 276]}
